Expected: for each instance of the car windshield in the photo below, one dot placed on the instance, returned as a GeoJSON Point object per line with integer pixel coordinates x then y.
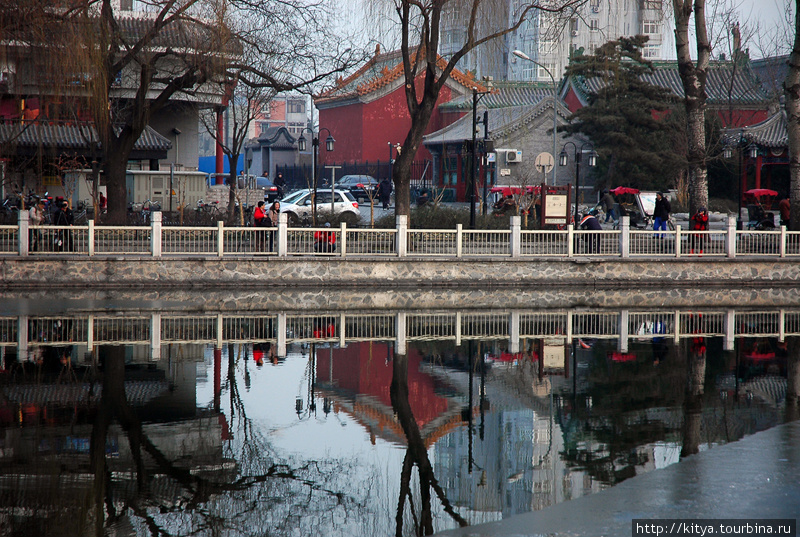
{"type": "Point", "coordinates": [294, 196]}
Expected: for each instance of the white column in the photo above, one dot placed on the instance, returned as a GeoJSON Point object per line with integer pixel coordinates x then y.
{"type": "Point", "coordinates": [516, 237]}
{"type": "Point", "coordinates": [155, 233]}
{"type": "Point", "coordinates": [459, 239]}
{"type": "Point", "coordinates": [24, 235]}
{"type": "Point", "coordinates": [513, 329]}
{"type": "Point", "coordinates": [623, 331]}
{"type": "Point", "coordinates": [22, 336]}
{"type": "Point", "coordinates": [402, 236]}
{"type": "Point", "coordinates": [400, 334]}
{"type": "Point", "coordinates": [343, 239]}
{"type": "Point", "coordinates": [730, 330]}
{"type": "Point", "coordinates": [91, 237]}
{"type": "Point", "coordinates": [218, 334]}
{"type": "Point", "coordinates": [458, 327]}
{"type": "Point", "coordinates": [730, 237]}
{"type": "Point", "coordinates": [281, 334]}
{"type": "Point", "coordinates": [220, 238]}
{"type": "Point", "coordinates": [678, 241]}
{"type": "Point", "coordinates": [625, 236]}
{"type": "Point", "coordinates": [90, 333]}
{"type": "Point", "coordinates": [283, 234]}
{"type": "Point", "coordinates": [783, 241]}
{"type": "Point", "coordinates": [570, 240]}
{"type": "Point", "coordinates": [155, 336]}
{"type": "Point", "coordinates": [342, 329]}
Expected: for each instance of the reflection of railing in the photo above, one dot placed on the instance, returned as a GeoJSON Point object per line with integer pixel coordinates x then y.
{"type": "Point", "coordinates": [219, 241]}
{"type": "Point", "coordinates": [282, 329]}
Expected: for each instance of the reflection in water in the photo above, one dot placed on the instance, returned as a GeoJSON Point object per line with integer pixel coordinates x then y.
{"type": "Point", "coordinates": [334, 424]}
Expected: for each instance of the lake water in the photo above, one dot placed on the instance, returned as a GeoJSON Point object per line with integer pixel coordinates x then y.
{"type": "Point", "coordinates": [135, 421]}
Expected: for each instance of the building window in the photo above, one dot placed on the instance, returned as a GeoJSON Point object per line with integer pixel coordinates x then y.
{"type": "Point", "coordinates": [297, 107]}
{"type": "Point", "coordinates": [573, 26]}
{"type": "Point", "coordinates": [594, 5]}
{"type": "Point", "coordinates": [126, 5]}
{"type": "Point", "coordinates": [594, 25]}
{"type": "Point", "coordinates": [651, 4]}
{"type": "Point", "coordinates": [651, 27]}
{"type": "Point", "coordinates": [542, 75]}
{"type": "Point", "coordinates": [651, 51]}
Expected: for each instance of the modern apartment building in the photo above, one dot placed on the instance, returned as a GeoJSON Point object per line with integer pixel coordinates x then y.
{"type": "Point", "coordinates": [550, 38]}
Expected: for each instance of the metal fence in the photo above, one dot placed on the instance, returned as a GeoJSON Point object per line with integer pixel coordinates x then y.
{"type": "Point", "coordinates": [158, 240]}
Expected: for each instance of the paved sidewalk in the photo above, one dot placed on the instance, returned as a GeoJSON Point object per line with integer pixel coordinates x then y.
{"type": "Point", "coordinates": [757, 477]}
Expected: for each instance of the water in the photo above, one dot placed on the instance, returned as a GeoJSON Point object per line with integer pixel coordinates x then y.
{"type": "Point", "coordinates": [131, 419]}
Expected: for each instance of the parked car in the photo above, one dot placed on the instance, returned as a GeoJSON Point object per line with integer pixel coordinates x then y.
{"type": "Point", "coordinates": [360, 186]}
{"type": "Point", "coordinates": [297, 205]}
{"type": "Point", "coordinates": [268, 188]}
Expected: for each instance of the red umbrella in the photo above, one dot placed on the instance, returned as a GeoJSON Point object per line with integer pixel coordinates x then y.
{"type": "Point", "coordinates": [758, 192]}
{"type": "Point", "coordinates": [624, 190]}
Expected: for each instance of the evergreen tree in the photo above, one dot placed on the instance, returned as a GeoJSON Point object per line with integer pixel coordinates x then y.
{"type": "Point", "coordinates": [634, 125]}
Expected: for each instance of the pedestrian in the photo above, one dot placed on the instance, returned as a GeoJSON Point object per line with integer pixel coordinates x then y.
{"type": "Point", "coordinates": [260, 220]}
{"type": "Point", "coordinates": [385, 192]}
{"type": "Point", "coordinates": [63, 240]}
{"type": "Point", "coordinates": [325, 240]}
{"type": "Point", "coordinates": [785, 207]}
{"type": "Point", "coordinates": [661, 214]}
{"type": "Point", "coordinates": [589, 223]}
{"type": "Point", "coordinates": [609, 205]}
{"type": "Point", "coordinates": [280, 183]}
{"type": "Point", "coordinates": [698, 222]}
{"type": "Point", "coordinates": [36, 218]}
{"type": "Point", "coordinates": [273, 216]}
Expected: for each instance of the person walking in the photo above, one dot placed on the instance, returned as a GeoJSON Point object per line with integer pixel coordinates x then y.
{"type": "Point", "coordinates": [661, 214]}
{"type": "Point", "coordinates": [279, 182]}
{"type": "Point", "coordinates": [36, 218]}
{"type": "Point", "coordinates": [273, 215]}
{"type": "Point", "coordinates": [589, 222]}
{"type": "Point", "coordinates": [385, 192]}
{"type": "Point", "coordinates": [64, 218]}
{"type": "Point", "coordinates": [785, 208]}
{"type": "Point", "coordinates": [260, 220]}
{"type": "Point", "coordinates": [698, 222]}
{"type": "Point", "coordinates": [609, 205]}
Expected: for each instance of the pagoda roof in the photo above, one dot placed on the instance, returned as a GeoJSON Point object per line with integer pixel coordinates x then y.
{"type": "Point", "coordinates": [745, 90]}
{"type": "Point", "coordinates": [505, 94]}
{"type": "Point", "coordinates": [384, 71]}
{"type": "Point", "coordinates": [771, 133]}
{"type": "Point", "coordinates": [70, 136]}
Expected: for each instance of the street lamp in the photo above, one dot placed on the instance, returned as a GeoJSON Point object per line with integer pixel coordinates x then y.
{"type": "Point", "coordinates": [520, 54]}
{"type": "Point", "coordinates": [476, 98]}
{"type": "Point", "coordinates": [301, 145]}
{"type": "Point", "coordinates": [577, 155]}
{"type": "Point", "coordinates": [739, 141]}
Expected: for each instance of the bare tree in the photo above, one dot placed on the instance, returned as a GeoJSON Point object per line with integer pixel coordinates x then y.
{"type": "Point", "coordinates": [425, 72]}
{"type": "Point", "coordinates": [792, 92]}
{"type": "Point", "coordinates": [693, 75]}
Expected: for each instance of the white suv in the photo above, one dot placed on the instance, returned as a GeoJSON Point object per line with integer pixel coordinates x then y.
{"type": "Point", "coordinates": [297, 205]}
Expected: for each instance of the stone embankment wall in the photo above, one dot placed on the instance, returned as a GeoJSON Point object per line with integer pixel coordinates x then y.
{"type": "Point", "coordinates": [391, 273]}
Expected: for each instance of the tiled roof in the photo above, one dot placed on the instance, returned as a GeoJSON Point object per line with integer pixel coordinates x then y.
{"type": "Point", "coordinates": [277, 138]}
{"type": "Point", "coordinates": [380, 71]}
{"type": "Point", "coordinates": [502, 121]}
{"type": "Point", "coordinates": [771, 72]}
{"type": "Point", "coordinates": [70, 136]}
{"type": "Point", "coordinates": [745, 88]}
{"type": "Point", "coordinates": [505, 94]}
{"type": "Point", "coordinates": [772, 132]}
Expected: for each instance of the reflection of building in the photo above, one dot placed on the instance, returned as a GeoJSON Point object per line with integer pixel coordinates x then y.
{"type": "Point", "coordinates": [358, 379]}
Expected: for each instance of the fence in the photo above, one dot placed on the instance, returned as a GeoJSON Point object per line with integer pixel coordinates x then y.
{"type": "Point", "coordinates": [282, 328]}
{"type": "Point", "coordinates": [158, 240]}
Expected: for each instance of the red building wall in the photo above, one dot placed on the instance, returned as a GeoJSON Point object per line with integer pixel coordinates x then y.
{"type": "Point", "coordinates": [363, 130]}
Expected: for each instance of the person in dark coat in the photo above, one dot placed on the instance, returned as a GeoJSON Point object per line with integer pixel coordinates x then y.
{"type": "Point", "coordinates": [280, 182]}
{"type": "Point", "coordinates": [385, 192]}
{"type": "Point", "coordinates": [609, 205]}
{"type": "Point", "coordinates": [661, 214]}
{"type": "Point", "coordinates": [64, 239]}
{"type": "Point", "coordinates": [589, 222]}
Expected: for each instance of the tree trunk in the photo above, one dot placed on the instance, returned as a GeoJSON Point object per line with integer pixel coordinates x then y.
{"type": "Point", "coordinates": [114, 167]}
{"type": "Point", "coordinates": [693, 77]}
{"type": "Point", "coordinates": [791, 89]}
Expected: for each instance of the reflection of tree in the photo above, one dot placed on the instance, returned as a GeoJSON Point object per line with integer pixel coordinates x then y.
{"type": "Point", "coordinates": [416, 453]}
{"type": "Point", "coordinates": [693, 404]}
{"type": "Point", "coordinates": [793, 379]}
{"type": "Point", "coordinates": [265, 494]}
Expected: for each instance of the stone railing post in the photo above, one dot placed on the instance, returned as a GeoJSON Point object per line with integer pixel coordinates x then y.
{"type": "Point", "coordinates": [155, 233]}
{"type": "Point", "coordinates": [283, 234]}
{"type": "Point", "coordinates": [459, 239]}
{"type": "Point", "coordinates": [220, 238]}
{"type": "Point", "coordinates": [783, 242]}
{"type": "Point", "coordinates": [23, 241]}
{"type": "Point", "coordinates": [570, 240]}
{"type": "Point", "coordinates": [343, 239]}
{"type": "Point", "coordinates": [730, 237]}
{"type": "Point", "coordinates": [516, 237]}
{"type": "Point", "coordinates": [90, 239]}
{"type": "Point", "coordinates": [402, 235]}
{"type": "Point", "coordinates": [625, 236]}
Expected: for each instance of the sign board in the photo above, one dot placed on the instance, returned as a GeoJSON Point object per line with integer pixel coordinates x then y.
{"type": "Point", "coordinates": [553, 356]}
{"type": "Point", "coordinates": [544, 162]}
{"type": "Point", "coordinates": [491, 157]}
{"type": "Point", "coordinates": [555, 205]}
{"type": "Point", "coordinates": [505, 171]}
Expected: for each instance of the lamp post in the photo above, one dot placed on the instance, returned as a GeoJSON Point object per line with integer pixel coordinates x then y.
{"type": "Point", "coordinates": [476, 98]}
{"type": "Point", "coordinates": [301, 145]}
{"type": "Point", "coordinates": [739, 142]}
{"type": "Point", "coordinates": [520, 54]}
{"type": "Point", "coordinates": [577, 155]}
